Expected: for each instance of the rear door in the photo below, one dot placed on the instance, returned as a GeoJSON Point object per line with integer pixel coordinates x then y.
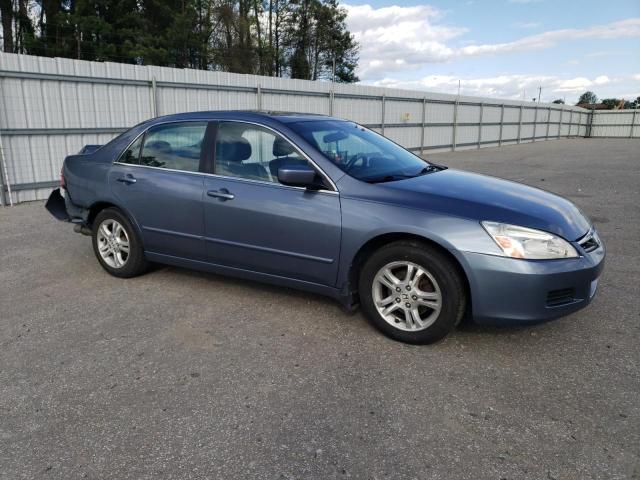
{"type": "Point", "coordinates": [255, 223]}
{"type": "Point", "coordinates": [159, 180]}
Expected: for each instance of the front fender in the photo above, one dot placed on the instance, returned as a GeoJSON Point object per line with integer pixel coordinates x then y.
{"type": "Point", "coordinates": [364, 220]}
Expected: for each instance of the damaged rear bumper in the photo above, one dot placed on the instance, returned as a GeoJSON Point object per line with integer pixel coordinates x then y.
{"type": "Point", "coordinates": [62, 208]}
{"type": "Point", "coordinates": [56, 204]}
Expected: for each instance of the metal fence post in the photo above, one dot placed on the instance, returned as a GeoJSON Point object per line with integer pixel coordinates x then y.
{"type": "Point", "coordinates": [259, 96]}
{"type": "Point", "coordinates": [570, 123]}
{"type": "Point", "coordinates": [535, 125]}
{"type": "Point", "coordinates": [4, 174]}
{"type": "Point", "coordinates": [560, 124]}
{"type": "Point", "coordinates": [4, 177]}
{"type": "Point", "coordinates": [520, 125]}
{"type": "Point", "coordinates": [480, 124]}
{"type": "Point", "coordinates": [501, 124]}
{"type": "Point", "coordinates": [384, 101]}
{"type": "Point", "coordinates": [424, 118]}
{"type": "Point", "coordinates": [3, 199]}
{"type": "Point", "coordinates": [455, 124]}
{"type": "Point", "coordinates": [154, 97]}
{"type": "Point", "coordinates": [331, 102]}
{"type": "Point", "coordinates": [633, 122]}
{"type": "Point", "coordinates": [546, 137]}
{"type": "Point", "coordinates": [589, 126]}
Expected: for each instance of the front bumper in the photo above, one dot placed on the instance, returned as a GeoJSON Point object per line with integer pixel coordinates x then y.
{"type": "Point", "coordinates": [511, 291]}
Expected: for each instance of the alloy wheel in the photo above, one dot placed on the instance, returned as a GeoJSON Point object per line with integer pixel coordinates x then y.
{"type": "Point", "coordinates": [113, 243]}
{"type": "Point", "coordinates": [407, 296]}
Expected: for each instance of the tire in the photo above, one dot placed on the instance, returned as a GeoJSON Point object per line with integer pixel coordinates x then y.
{"type": "Point", "coordinates": [112, 241]}
{"type": "Point", "coordinates": [437, 294]}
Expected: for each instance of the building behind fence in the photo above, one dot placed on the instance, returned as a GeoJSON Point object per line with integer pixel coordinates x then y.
{"type": "Point", "coordinates": [51, 107]}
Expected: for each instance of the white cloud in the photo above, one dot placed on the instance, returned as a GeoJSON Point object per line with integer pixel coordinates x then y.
{"type": "Point", "coordinates": [623, 28]}
{"type": "Point", "coordinates": [573, 84]}
{"type": "Point", "coordinates": [636, 76]}
{"type": "Point", "coordinates": [410, 34]}
{"type": "Point", "coordinates": [511, 86]}
{"type": "Point", "coordinates": [416, 36]}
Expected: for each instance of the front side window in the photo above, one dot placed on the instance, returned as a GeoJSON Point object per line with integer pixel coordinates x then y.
{"type": "Point", "coordinates": [249, 151]}
{"type": "Point", "coordinates": [361, 153]}
{"type": "Point", "coordinates": [175, 146]}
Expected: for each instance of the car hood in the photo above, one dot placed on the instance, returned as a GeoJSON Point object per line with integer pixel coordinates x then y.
{"type": "Point", "coordinates": [488, 198]}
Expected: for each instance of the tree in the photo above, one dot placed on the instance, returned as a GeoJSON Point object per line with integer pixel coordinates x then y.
{"type": "Point", "coordinates": [587, 97]}
{"type": "Point", "coordinates": [318, 38]}
{"type": "Point", "coordinates": [295, 38]}
{"type": "Point", "coordinates": [6, 19]}
{"type": "Point", "coordinates": [612, 103]}
{"type": "Point", "coordinates": [558, 101]}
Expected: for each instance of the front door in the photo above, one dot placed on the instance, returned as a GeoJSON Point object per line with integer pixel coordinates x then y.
{"type": "Point", "coordinates": [158, 180]}
{"type": "Point", "coordinates": [254, 223]}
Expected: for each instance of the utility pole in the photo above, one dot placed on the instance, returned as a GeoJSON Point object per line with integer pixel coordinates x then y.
{"type": "Point", "coordinates": [458, 88]}
{"type": "Point", "coordinates": [539, 93]}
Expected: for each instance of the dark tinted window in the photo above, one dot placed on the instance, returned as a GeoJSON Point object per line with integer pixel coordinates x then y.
{"type": "Point", "coordinates": [132, 153]}
{"type": "Point", "coordinates": [176, 146]}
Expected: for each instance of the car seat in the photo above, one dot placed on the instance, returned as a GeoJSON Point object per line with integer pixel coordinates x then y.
{"type": "Point", "coordinates": [231, 152]}
{"type": "Point", "coordinates": [282, 149]}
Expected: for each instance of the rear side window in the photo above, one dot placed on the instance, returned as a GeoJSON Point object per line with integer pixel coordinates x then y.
{"type": "Point", "coordinates": [132, 153]}
{"type": "Point", "coordinates": [176, 146]}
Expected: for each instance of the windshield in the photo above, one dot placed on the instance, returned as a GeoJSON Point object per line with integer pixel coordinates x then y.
{"type": "Point", "coordinates": [361, 153]}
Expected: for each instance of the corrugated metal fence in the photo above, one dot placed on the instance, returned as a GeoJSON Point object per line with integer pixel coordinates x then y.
{"type": "Point", "coordinates": [51, 107]}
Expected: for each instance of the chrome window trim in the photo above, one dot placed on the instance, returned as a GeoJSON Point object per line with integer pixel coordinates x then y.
{"type": "Point", "coordinates": [295, 147]}
{"type": "Point", "coordinates": [335, 190]}
{"type": "Point", "coordinates": [225, 177]}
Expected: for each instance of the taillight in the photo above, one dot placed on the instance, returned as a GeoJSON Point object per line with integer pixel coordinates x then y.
{"type": "Point", "coordinates": [63, 182]}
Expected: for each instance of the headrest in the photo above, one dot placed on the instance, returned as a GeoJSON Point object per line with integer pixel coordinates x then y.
{"type": "Point", "coordinates": [233, 149]}
{"type": "Point", "coordinates": [159, 146]}
{"type": "Point", "coordinates": [282, 148]}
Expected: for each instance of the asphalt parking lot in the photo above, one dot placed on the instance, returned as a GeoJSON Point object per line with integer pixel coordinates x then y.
{"type": "Point", "coordinates": [179, 374]}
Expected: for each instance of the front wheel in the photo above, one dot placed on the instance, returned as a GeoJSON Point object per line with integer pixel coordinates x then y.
{"type": "Point", "coordinates": [117, 245]}
{"type": "Point", "coordinates": [412, 292]}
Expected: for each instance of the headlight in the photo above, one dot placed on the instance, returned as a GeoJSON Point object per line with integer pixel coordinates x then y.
{"type": "Point", "coordinates": [527, 243]}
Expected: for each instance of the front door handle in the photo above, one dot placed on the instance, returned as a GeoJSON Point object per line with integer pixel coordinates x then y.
{"type": "Point", "coordinates": [223, 193]}
{"type": "Point", "coordinates": [128, 179]}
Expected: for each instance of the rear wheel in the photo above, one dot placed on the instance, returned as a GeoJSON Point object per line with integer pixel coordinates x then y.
{"type": "Point", "coordinates": [412, 292]}
{"type": "Point", "coordinates": [117, 245]}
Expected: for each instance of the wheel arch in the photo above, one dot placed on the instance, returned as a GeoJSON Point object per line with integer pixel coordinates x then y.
{"type": "Point", "coordinates": [378, 241]}
{"type": "Point", "coordinates": [101, 205]}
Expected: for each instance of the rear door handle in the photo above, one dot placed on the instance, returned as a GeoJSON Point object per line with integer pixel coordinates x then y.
{"type": "Point", "coordinates": [128, 179]}
{"type": "Point", "coordinates": [223, 193]}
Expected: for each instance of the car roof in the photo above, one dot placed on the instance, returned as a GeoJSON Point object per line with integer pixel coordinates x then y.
{"type": "Point", "coordinates": [249, 115]}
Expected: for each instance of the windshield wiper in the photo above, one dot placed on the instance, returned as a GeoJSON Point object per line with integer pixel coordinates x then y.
{"type": "Point", "coordinates": [386, 178]}
{"type": "Point", "coordinates": [430, 169]}
{"type": "Point", "coordinates": [398, 176]}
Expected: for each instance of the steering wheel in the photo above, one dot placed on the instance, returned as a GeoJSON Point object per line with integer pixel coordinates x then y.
{"type": "Point", "coordinates": [352, 161]}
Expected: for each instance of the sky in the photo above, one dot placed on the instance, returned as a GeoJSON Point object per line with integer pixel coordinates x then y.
{"type": "Point", "coordinates": [500, 48]}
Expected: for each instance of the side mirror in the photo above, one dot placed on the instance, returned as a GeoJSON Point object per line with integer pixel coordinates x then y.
{"type": "Point", "coordinates": [297, 176]}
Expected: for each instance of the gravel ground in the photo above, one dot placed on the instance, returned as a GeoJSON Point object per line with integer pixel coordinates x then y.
{"type": "Point", "coordinates": [179, 374]}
